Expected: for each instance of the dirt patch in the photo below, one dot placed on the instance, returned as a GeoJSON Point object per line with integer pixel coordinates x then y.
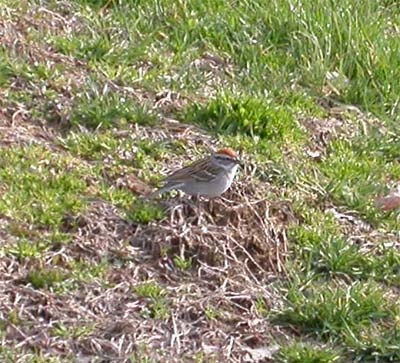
{"type": "Point", "coordinates": [323, 131]}
{"type": "Point", "coordinates": [342, 122]}
{"type": "Point", "coordinates": [15, 130]}
{"type": "Point", "coordinates": [361, 233]}
{"type": "Point", "coordinates": [216, 71]}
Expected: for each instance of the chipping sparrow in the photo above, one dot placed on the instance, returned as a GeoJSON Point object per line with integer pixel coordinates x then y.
{"type": "Point", "coordinates": [208, 177]}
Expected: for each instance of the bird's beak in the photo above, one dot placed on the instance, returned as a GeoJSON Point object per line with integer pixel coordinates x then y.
{"type": "Point", "coordinates": [239, 162]}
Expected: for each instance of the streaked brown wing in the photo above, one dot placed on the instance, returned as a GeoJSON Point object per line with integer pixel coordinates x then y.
{"type": "Point", "coordinates": [205, 175]}
{"type": "Point", "coordinates": [195, 170]}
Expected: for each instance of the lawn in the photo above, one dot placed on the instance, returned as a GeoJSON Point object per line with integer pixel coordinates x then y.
{"type": "Point", "coordinates": [295, 264]}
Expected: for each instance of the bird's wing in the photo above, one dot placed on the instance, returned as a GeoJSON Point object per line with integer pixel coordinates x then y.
{"type": "Point", "coordinates": [200, 170]}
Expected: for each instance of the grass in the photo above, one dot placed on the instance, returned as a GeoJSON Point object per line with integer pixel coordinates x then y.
{"type": "Point", "coordinates": [334, 310]}
{"type": "Point", "coordinates": [248, 116]}
{"type": "Point", "coordinates": [107, 110]}
{"type": "Point", "coordinates": [99, 98]}
{"type": "Point", "coordinates": [157, 308]}
{"type": "Point", "coordinates": [308, 354]}
{"type": "Point", "coordinates": [43, 192]}
{"type": "Point", "coordinates": [346, 314]}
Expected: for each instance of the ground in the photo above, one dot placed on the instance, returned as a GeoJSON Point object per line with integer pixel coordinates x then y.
{"type": "Point", "coordinates": [298, 262]}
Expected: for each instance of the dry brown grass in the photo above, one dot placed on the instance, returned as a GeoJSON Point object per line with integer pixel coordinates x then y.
{"type": "Point", "coordinates": [238, 248]}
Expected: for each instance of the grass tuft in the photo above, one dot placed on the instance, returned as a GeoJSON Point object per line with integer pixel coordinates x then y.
{"type": "Point", "coordinates": [109, 110]}
{"type": "Point", "coordinates": [307, 353]}
{"type": "Point", "coordinates": [46, 278]}
{"type": "Point", "coordinates": [245, 115]}
{"type": "Point", "coordinates": [336, 311]}
{"type": "Point", "coordinates": [43, 193]}
{"type": "Point", "coordinates": [143, 212]}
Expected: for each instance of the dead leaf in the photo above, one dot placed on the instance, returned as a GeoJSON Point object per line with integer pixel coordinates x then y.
{"type": "Point", "coordinates": [134, 184]}
{"type": "Point", "coordinates": [390, 201]}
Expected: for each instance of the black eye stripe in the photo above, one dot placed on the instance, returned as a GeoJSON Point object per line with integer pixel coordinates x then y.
{"type": "Point", "coordinates": [225, 157]}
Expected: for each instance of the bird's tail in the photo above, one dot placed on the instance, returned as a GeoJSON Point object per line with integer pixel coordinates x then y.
{"type": "Point", "coordinates": [166, 188]}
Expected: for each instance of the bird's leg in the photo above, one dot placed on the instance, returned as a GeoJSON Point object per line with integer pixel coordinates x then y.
{"type": "Point", "coordinates": [191, 206]}
{"type": "Point", "coordinates": [211, 205]}
{"type": "Point", "coordinates": [199, 208]}
{"type": "Point", "coordinates": [192, 202]}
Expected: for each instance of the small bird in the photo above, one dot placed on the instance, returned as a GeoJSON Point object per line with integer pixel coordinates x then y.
{"type": "Point", "coordinates": [209, 177]}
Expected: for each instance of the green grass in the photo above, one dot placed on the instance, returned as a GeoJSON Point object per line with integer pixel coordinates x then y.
{"type": "Point", "coordinates": [276, 44]}
{"type": "Point", "coordinates": [325, 251]}
{"type": "Point", "coordinates": [96, 110]}
{"type": "Point", "coordinates": [303, 353]}
{"type": "Point", "coordinates": [249, 116]}
{"type": "Point", "coordinates": [62, 280]}
{"type": "Point", "coordinates": [93, 82]}
{"type": "Point", "coordinates": [42, 193]}
{"type": "Point", "coordinates": [74, 332]}
{"type": "Point", "coordinates": [149, 289]}
{"type": "Point", "coordinates": [46, 278]}
{"type": "Point", "coordinates": [183, 263]}
{"type": "Point", "coordinates": [358, 316]}
{"type": "Point", "coordinates": [332, 311]}
{"type": "Point", "coordinates": [356, 171]}
{"type": "Point", "coordinates": [157, 305]}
